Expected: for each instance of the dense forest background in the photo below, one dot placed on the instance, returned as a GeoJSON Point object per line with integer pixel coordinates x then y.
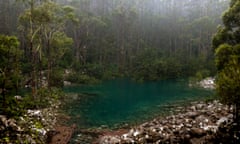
{"type": "Point", "coordinates": [103, 39]}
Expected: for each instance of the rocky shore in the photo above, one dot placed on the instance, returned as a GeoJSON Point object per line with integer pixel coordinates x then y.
{"type": "Point", "coordinates": [199, 123]}
{"type": "Point", "coordinates": [33, 127]}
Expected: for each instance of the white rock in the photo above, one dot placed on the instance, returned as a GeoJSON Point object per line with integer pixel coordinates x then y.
{"type": "Point", "coordinates": [136, 133]}
{"type": "Point", "coordinates": [207, 83]}
{"type": "Point", "coordinates": [66, 83]}
{"type": "Point", "coordinates": [212, 128]}
{"type": "Point", "coordinates": [146, 136]}
{"type": "Point", "coordinates": [42, 131]}
{"type": "Point", "coordinates": [34, 112]}
{"type": "Point", "coordinates": [187, 120]}
{"type": "Point", "coordinates": [17, 97]}
{"type": "Point", "coordinates": [154, 130]}
{"type": "Point", "coordinates": [124, 136]}
{"type": "Point", "coordinates": [180, 126]}
{"type": "Point", "coordinates": [161, 128]}
{"type": "Point", "coordinates": [131, 131]}
{"type": "Point", "coordinates": [221, 120]}
{"type": "Point", "coordinates": [3, 118]}
{"type": "Point", "coordinates": [206, 120]}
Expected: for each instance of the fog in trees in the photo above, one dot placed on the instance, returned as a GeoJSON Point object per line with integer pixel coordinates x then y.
{"type": "Point", "coordinates": [143, 39]}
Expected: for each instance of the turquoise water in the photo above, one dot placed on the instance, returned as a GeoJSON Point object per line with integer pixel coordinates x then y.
{"type": "Point", "coordinates": [123, 101]}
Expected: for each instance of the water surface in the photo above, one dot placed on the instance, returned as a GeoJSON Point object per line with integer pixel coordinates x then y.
{"type": "Point", "coordinates": [123, 101]}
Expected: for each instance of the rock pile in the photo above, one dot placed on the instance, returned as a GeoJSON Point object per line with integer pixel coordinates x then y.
{"type": "Point", "coordinates": [29, 128]}
{"type": "Point", "coordinates": [199, 123]}
{"type": "Point", "coordinates": [207, 83]}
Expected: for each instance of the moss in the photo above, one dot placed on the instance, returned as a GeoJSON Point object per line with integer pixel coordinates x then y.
{"type": "Point", "coordinates": [38, 125]}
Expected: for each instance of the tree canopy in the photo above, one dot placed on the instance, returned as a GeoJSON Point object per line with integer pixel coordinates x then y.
{"type": "Point", "coordinates": [9, 66]}
{"type": "Point", "coordinates": [226, 43]}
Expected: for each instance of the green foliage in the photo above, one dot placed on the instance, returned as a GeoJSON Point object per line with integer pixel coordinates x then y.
{"type": "Point", "coordinates": [227, 50]}
{"type": "Point", "coordinates": [157, 70]}
{"type": "Point", "coordinates": [9, 65]}
{"type": "Point", "coordinates": [12, 108]}
{"type": "Point", "coordinates": [66, 60]}
{"type": "Point", "coordinates": [227, 61]}
{"type": "Point", "coordinates": [223, 53]}
{"type": "Point", "coordinates": [45, 97]}
{"type": "Point", "coordinates": [92, 73]}
{"type": "Point", "coordinates": [42, 26]}
{"type": "Point", "coordinates": [202, 74]}
{"type": "Point", "coordinates": [153, 65]}
{"type": "Point", "coordinates": [111, 72]}
{"type": "Point", "coordinates": [57, 78]}
{"type": "Point", "coordinates": [93, 70]}
{"type": "Point", "coordinates": [38, 125]}
{"type": "Point", "coordinates": [228, 82]}
{"type": "Point", "coordinates": [82, 79]}
{"type": "Point", "coordinates": [60, 44]}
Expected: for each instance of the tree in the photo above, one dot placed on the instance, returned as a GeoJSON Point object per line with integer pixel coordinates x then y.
{"type": "Point", "coordinates": [9, 66]}
{"type": "Point", "coordinates": [226, 43]}
{"type": "Point", "coordinates": [43, 25]}
{"type": "Point", "coordinates": [51, 18]}
{"type": "Point", "coordinates": [112, 33]}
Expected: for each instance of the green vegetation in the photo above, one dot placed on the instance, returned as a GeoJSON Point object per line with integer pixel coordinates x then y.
{"type": "Point", "coordinates": [44, 43]}
{"type": "Point", "coordinates": [226, 43]}
{"type": "Point", "coordinates": [9, 66]}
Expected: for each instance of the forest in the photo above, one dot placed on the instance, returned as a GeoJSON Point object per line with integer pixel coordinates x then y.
{"type": "Point", "coordinates": [45, 44]}
{"type": "Point", "coordinates": [101, 39]}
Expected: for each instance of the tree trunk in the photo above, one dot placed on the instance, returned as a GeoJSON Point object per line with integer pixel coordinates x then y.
{"type": "Point", "coordinates": [49, 63]}
{"type": "Point", "coordinates": [33, 73]}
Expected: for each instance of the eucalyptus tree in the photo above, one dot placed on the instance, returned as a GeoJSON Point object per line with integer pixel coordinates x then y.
{"type": "Point", "coordinates": [51, 18]}
{"type": "Point", "coordinates": [226, 43]}
{"type": "Point", "coordinates": [117, 31]}
{"type": "Point", "coordinates": [43, 27]}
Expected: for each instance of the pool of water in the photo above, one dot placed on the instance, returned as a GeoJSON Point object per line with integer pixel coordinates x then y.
{"type": "Point", "coordinates": [123, 101]}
